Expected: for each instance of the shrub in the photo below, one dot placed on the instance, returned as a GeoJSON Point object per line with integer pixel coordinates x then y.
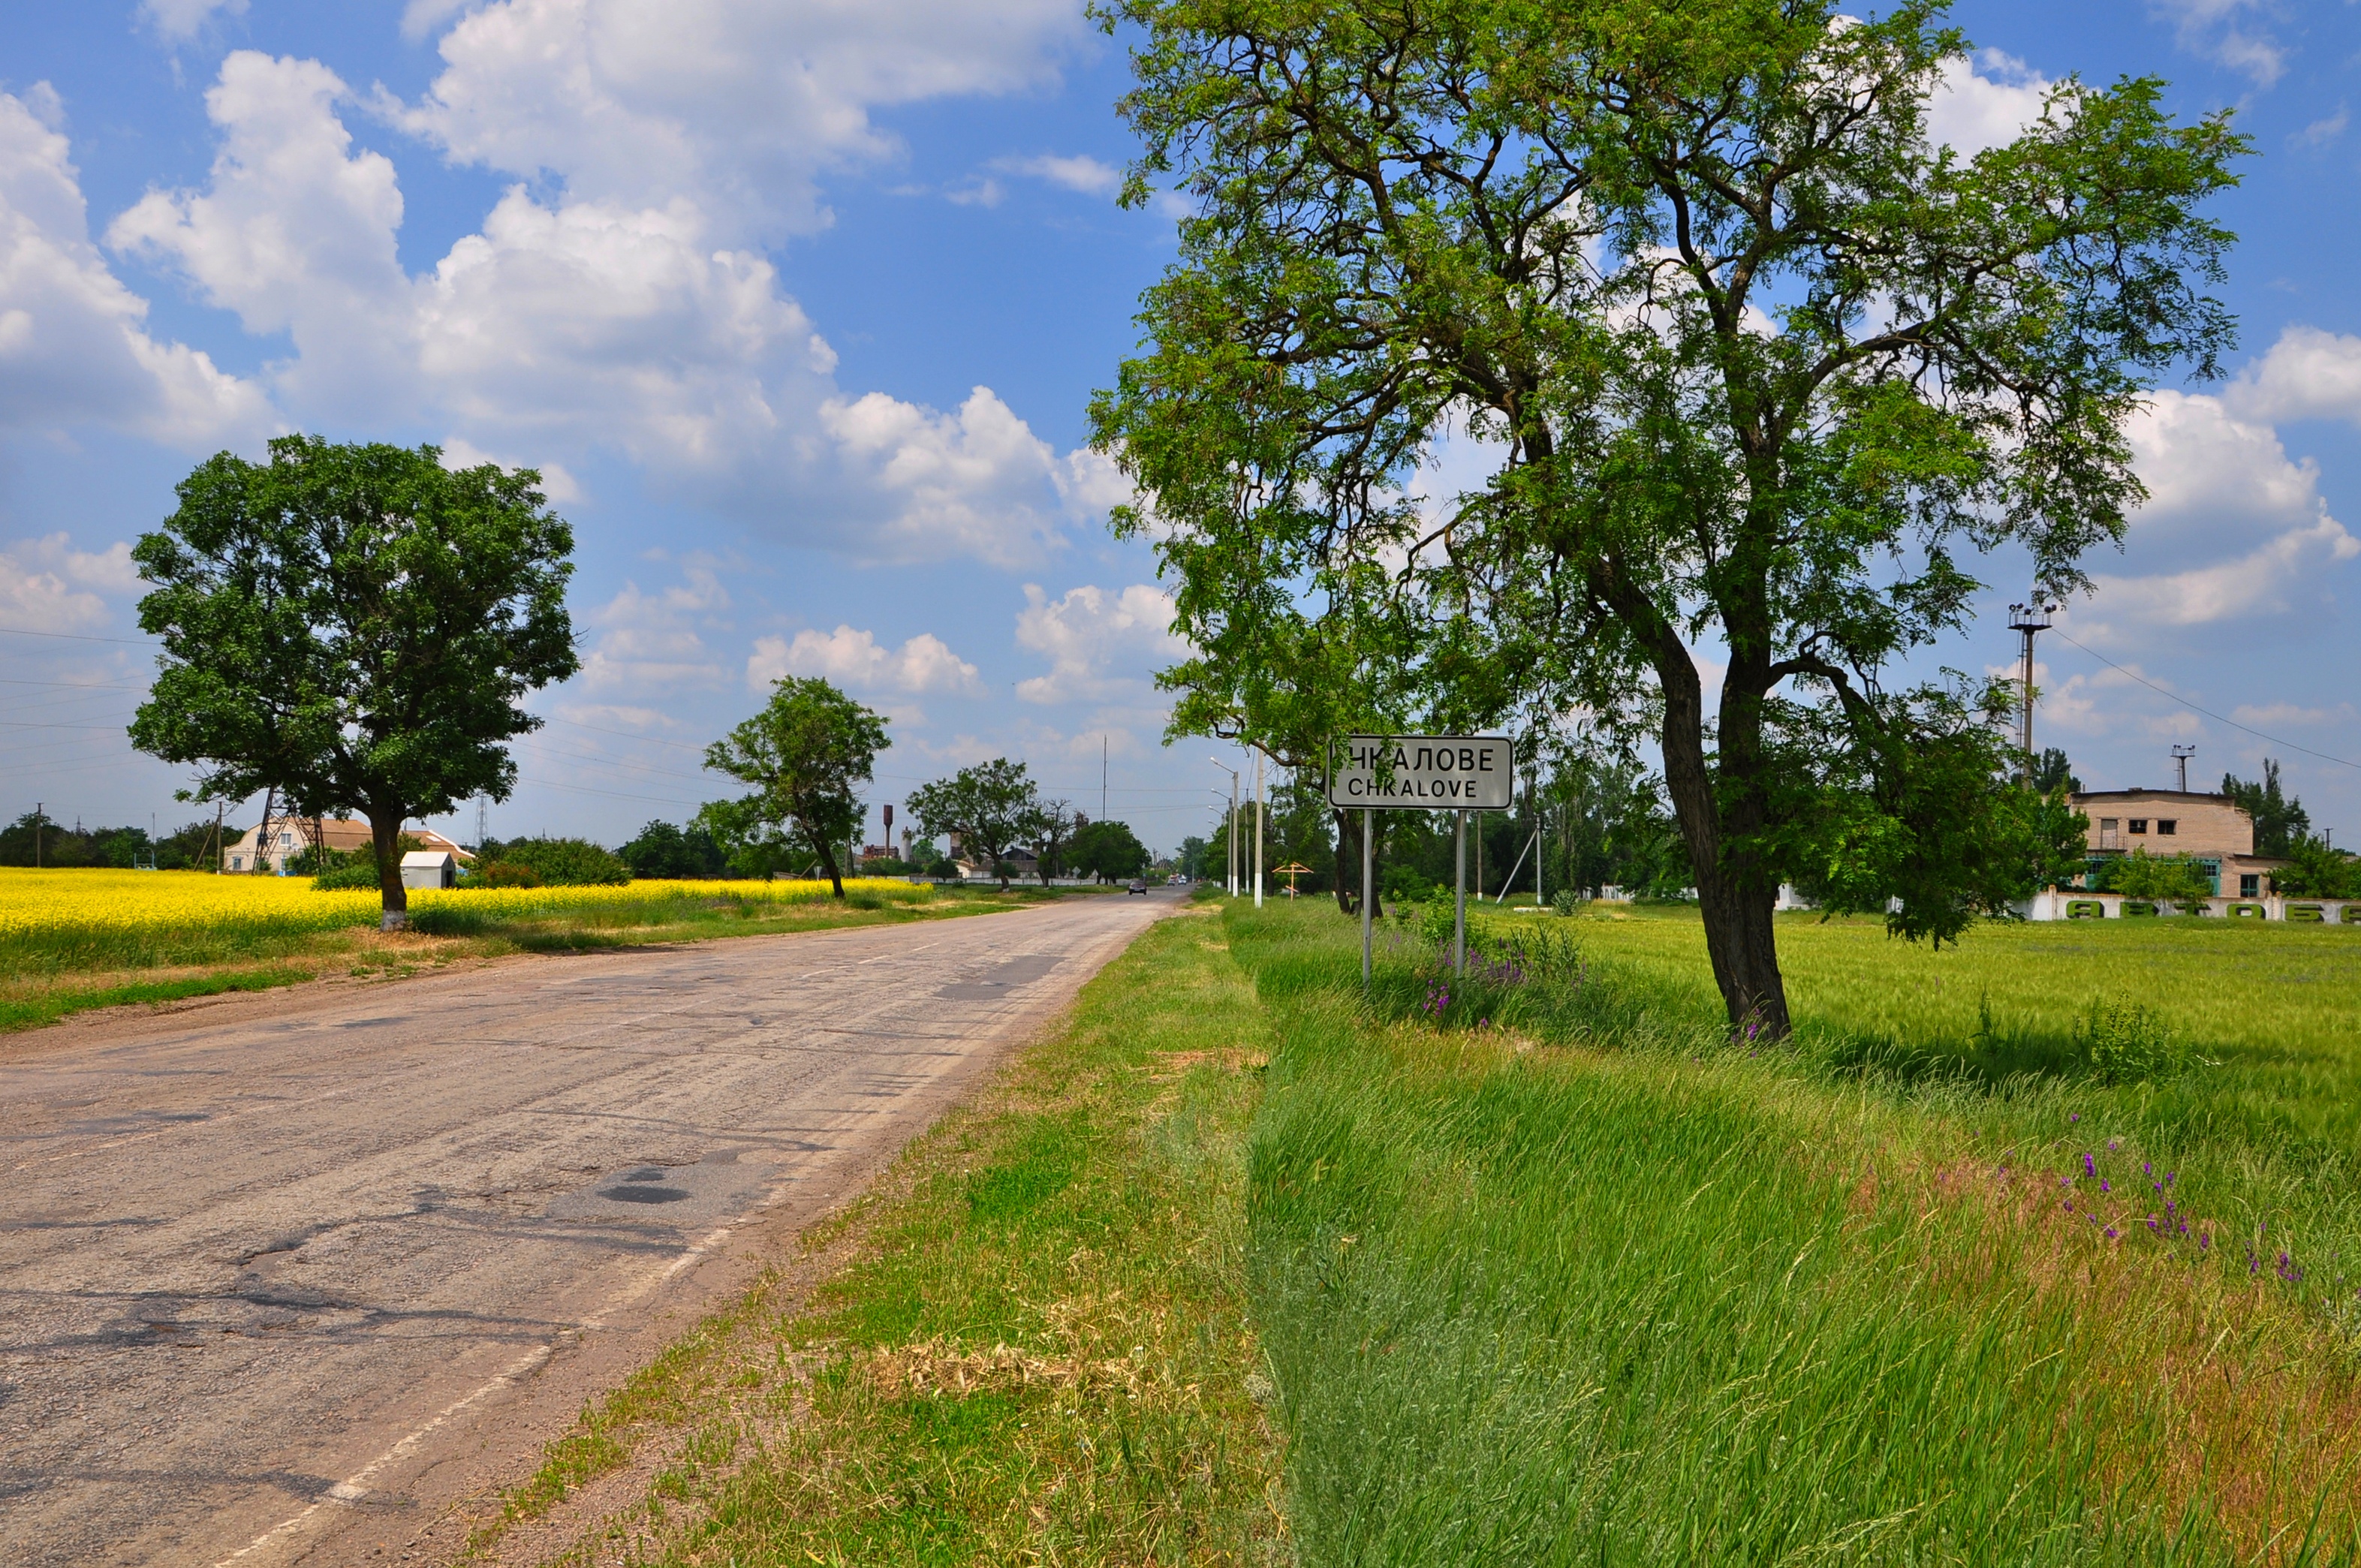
{"type": "Point", "coordinates": [565, 862]}
{"type": "Point", "coordinates": [1564, 901]}
{"type": "Point", "coordinates": [2125, 1042]}
{"type": "Point", "coordinates": [503, 874]}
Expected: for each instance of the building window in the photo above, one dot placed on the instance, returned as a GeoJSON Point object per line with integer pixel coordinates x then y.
{"type": "Point", "coordinates": [2107, 833]}
{"type": "Point", "coordinates": [2139, 824]}
{"type": "Point", "coordinates": [237, 863]}
{"type": "Point", "coordinates": [2250, 885]}
{"type": "Point", "coordinates": [285, 839]}
{"type": "Point", "coordinates": [2168, 826]}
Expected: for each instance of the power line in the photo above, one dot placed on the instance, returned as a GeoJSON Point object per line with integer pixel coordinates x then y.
{"type": "Point", "coordinates": [80, 637]}
{"type": "Point", "coordinates": [2208, 712]}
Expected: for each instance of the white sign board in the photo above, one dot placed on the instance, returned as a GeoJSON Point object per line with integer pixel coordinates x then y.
{"type": "Point", "coordinates": [1427, 773]}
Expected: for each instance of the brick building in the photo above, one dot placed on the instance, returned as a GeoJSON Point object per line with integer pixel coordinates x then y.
{"type": "Point", "coordinates": [2211, 829]}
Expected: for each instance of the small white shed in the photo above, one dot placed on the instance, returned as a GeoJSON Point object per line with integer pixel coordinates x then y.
{"type": "Point", "coordinates": [429, 868]}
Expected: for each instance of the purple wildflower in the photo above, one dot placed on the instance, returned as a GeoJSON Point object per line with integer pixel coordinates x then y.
{"type": "Point", "coordinates": [2090, 1166]}
{"type": "Point", "coordinates": [2113, 1144]}
{"type": "Point", "coordinates": [2074, 1116]}
{"type": "Point", "coordinates": [2110, 1233]}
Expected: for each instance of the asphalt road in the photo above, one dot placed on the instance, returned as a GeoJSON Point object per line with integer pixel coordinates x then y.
{"type": "Point", "coordinates": [284, 1278]}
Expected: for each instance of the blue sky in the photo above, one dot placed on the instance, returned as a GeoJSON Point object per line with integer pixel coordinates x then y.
{"type": "Point", "coordinates": [800, 306]}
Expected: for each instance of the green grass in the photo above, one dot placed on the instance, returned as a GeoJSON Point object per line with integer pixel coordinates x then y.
{"type": "Point", "coordinates": [50, 1007]}
{"type": "Point", "coordinates": [1032, 1346]}
{"type": "Point", "coordinates": [1553, 1271]}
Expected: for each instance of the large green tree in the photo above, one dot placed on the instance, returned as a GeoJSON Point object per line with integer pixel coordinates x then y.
{"type": "Point", "coordinates": [806, 755]}
{"type": "Point", "coordinates": [990, 807]}
{"type": "Point", "coordinates": [353, 627]}
{"type": "Point", "coordinates": [1748, 360]}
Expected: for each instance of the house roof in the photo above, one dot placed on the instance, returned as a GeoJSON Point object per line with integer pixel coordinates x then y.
{"type": "Point", "coordinates": [2194, 797]}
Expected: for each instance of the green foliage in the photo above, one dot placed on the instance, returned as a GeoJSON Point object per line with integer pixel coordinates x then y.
{"type": "Point", "coordinates": [2052, 773]}
{"type": "Point", "coordinates": [61, 849]}
{"type": "Point", "coordinates": [806, 754]}
{"type": "Point", "coordinates": [2316, 871]}
{"type": "Point", "coordinates": [564, 862]}
{"type": "Point", "coordinates": [1110, 851]}
{"type": "Point", "coordinates": [991, 806]}
{"type": "Point", "coordinates": [2160, 879]}
{"type": "Point", "coordinates": [501, 873]}
{"type": "Point", "coordinates": [1912, 800]}
{"type": "Point", "coordinates": [353, 627]}
{"type": "Point", "coordinates": [2280, 820]}
{"type": "Point", "coordinates": [665, 851]}
{"type": "Point", "coordinates": [2128, 1042]}
{"type": "Point", "coordinates": [1757, 359]}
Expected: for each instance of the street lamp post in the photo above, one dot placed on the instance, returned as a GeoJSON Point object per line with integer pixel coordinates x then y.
{"type": "Point", "coordinates": [1230, 844]}
{"type": "Point", "coordinates": [1258, 808]}
{"type": "Point", "coordinates": [2029, 619]}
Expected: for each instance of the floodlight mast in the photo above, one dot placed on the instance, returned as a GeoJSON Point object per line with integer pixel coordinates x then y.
{"type": "Point", "coordinates": [2029, 619]}
{"type": "Point", "coordinates": [2181, 755]}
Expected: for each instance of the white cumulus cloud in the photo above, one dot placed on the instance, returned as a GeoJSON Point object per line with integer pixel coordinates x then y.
{"type": "Point", "coordinates": [47, 585]}
{"type": "Point", "coordinates": [855, 659]}
{"type": "Point", "coordinates": [2307, 373]}
{"type": "Point", "coordinates": [1985, 102]}
{"type": "Point", "coordinates": [72, 346]}
{"type": "Point", "coordinates": [1080, 173]}
{"type": "Point", "coordinates": [1100, 643]}
{"type": "Point", "coordinates": [179, 19]}
{"type": "Point", "coordinates": [2234, 528]}
{"type": "Point", "coordinates": [745, 101]}
{"type": "Point", "coordinates": [576, 321]}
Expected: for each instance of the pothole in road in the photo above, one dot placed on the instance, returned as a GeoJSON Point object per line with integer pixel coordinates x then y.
{"type": "Point", "coordinates": [637, 1193]}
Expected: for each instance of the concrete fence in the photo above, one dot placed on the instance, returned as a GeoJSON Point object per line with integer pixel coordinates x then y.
{"type": "Point", "coordinates": [2070, 904]}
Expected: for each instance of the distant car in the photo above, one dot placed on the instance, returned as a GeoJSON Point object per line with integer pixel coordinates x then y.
{"type": "Point", "coordinates": [1136, 886]}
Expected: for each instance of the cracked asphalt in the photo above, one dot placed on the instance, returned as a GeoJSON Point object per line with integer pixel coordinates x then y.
{"type": "Point", "coordinates": [295, 1278]}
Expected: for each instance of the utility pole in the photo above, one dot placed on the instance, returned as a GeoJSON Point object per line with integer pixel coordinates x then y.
{"type": "Point", "coordinates": [2181, 755]}
{"type": "Point", "coordinates": [2030, 620]}
{"type": "Point", "coordinates": [1230, 839]}
{"type": "Point", "coordinates": [38, 817]}
{"type": "Point", "coordinates": [1103, 778]}
{"type": "Point", "coordinates": [1258, 810]}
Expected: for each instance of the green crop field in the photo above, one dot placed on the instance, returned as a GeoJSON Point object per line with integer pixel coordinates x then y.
{"type": "Point", "coordinates": [1550, 1269]}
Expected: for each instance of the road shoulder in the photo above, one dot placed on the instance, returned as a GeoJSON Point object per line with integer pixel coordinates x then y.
{"type": "Point", "coordinates": [1028, 1339]}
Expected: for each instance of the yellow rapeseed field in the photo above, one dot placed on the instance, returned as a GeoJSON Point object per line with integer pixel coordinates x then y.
{"type": "Point", "coordinates": [111, 903]}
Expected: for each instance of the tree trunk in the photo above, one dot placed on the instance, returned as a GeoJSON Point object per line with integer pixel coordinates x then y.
{"type": "Point", "coordinates": [1739, 936]}
{"type": "Point", "coordinates": [1348, 859]}
{"type": "Point", "coordinates": [828, 864]}
{"type": "Point", "coordinates": [385, 839]}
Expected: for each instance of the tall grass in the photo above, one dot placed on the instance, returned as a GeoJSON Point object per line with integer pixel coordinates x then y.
{"type": "Point", "coordinates": [1551, 1270]}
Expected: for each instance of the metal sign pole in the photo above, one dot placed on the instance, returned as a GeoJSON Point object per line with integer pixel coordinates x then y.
{"type": "Point", "coordinates": [1366, 816]}
{"type": "Point", "coordinates": [1459, 919]}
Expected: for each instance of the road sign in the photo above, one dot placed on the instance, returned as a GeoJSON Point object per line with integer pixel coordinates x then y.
{"type": "Point", "coordinates": [1426, 772]}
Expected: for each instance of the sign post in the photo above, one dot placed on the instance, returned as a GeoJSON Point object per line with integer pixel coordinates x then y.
{"type": "Point", "coordinates": [1367, 819]}
{"type": "Point", "coordinates": [1458, 773]}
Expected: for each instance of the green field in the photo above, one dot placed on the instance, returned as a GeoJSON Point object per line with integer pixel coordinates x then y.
{"type": "Point", "coordinates": [1549, 1269]}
